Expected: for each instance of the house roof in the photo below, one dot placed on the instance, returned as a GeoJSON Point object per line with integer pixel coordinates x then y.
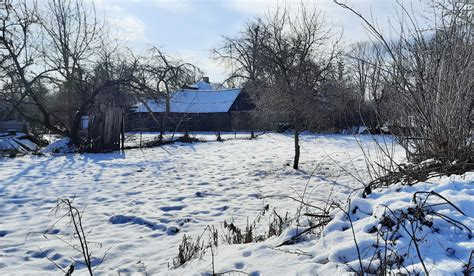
{"type": "Point", "coordinates": [202, 85]}
{"type": "Point", "coordinates": [195, 101]}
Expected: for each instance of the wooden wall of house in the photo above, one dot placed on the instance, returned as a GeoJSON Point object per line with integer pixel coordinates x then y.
{"type": "Point", "coordinates": [178, 122]}
{"type": "Point", "coordinates": [242, 103]}
{"type": "Point", "coordinates": [231, 121]}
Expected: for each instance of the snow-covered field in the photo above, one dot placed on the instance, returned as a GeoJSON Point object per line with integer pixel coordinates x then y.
{"type": "Point", "coordinates": [139, 204]}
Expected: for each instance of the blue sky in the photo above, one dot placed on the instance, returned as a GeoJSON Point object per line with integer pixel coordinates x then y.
{"type": "Point", "coordinates": [189, 28]}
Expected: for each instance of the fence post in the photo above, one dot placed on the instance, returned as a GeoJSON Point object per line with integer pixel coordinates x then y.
{"type": "Point", "coordinates": [122, 132]}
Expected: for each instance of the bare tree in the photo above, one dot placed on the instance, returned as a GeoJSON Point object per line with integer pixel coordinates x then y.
{"type": "Point", "coordinates": [161, 75]}
{"type": "Point", "coordinates": [19, 54]}
{"type": "Point", "coordinates": [367, 70]}
{"type": "Point", "coordinates": [168, 74]}
{"type": "Point", "coordinates": [74, 43]}
{"type": "Point", "coordinates": [56, 58]}
{"type": "Point", "coordinates": [243, 55]}
{"type": "Point", "coordinates": [282, 61]}
{"type": "Point", "coordinates": [299, 54]}
{"type": "Point", "coordinates": [430, 70]}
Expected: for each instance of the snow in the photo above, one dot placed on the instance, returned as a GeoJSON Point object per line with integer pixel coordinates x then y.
{"type": "Point", "coordinates": [17, 143]}
{"type": "Point", "coordinates": [139, 204]}
{"type": "Point", "coordinates": [195, 101]}
{"type": "Point", "coordinates": [355, 130]}
{"type": "Point", "coordinates": [202, 85]}
{"type": "Point", "coordinates": [7, 143]}
{"type": "Point", "coordinates": [26, 144]}
{"type": "Point", "coordinates": [59, 146]}
{"type": "Point", "coordinates": [444, 251]}
{"type": "Point", "coordinates": [433, 245]}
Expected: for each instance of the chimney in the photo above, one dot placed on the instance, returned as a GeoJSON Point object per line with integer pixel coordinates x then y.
{"type": "Point", "coordinates": [205, 79]}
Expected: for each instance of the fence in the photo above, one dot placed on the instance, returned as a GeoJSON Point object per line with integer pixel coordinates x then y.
{"type": "Point", "coordinates": [231, 121]}
{"type": "Point", "coordinates": [13, 125]}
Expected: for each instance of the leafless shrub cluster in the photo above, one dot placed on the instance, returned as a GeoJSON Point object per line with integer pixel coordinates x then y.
{"type": "Point", "coordinates": [235, 235]}
{"type": "Point", "coordinates": [231, 234]}
{"type": "Point", "coordinates": [409, 174]}
{"type": "Point", "coordinates": [188, 250]}
{"type": "Point", "coordinates": [425, 74]}
{"type": "Point", "coordinates": [186, 138]}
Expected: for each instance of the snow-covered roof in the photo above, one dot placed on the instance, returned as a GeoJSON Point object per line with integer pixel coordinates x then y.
{"type": "Point", "coordinates": [202, 85]}
{"type": "Point", "coordinates": [195, 101]}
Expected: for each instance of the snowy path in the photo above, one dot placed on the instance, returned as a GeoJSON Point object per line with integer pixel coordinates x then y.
{"type": "Point", "coordinates": [136, 201]}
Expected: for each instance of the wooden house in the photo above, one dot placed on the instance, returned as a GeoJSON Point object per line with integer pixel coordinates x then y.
{"type": "Point", "coordinates": [199, 107]}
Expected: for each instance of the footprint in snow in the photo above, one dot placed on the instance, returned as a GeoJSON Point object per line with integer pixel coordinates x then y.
{"type": "Point", "coordinates": [52, 231]}
{"type": "Point", "coordinates": [247, 254]}
{"type": "Point", "coordinates": [172, 208]}
{"type": "Point", "coordinates": [121, 219]}
{"type": "Point", "coordinates": [181, 198]}
{"type": "Point", "coordinates": [56, 256]}
{"type": "Point", "coordinates": [183, 221]}
{"type": "Point", "coordinates": [199, 212]}
{"type": "Point", "coordinates": [172, 230]}
{"type": "Point", "coordinates": [223, 208]}
{"type": "Point", "coordinates": [39, 254]}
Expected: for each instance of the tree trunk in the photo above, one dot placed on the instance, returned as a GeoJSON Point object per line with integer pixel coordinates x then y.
{"type": "Point", "coordinates": [162, 128]}
{"type": "Point", "coordinates": [297, 150]}
{"type": "Point", "coordinates": [75, 128]}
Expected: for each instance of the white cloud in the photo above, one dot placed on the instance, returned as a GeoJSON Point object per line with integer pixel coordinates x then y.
{"type": "Point", "coordinates": [123, 26]}
{"type": "Point", "coordinates": [127, 28]}
{"type": "Point", "coordinates": [381, 11]}
{"type": "Point", "coordinates": [220, 17]}
{"type": "Point", "coordinates": [252, 7]}
{"type": "Point", "coordinates": [175, 6]}
{"type": "Point", "coordinates": [260, 7]}
{"type": "Point", "coordinates": [334, 15]}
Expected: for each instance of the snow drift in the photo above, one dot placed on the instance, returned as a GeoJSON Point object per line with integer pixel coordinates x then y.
{"type": "Point", "coordinates": [438, 215]}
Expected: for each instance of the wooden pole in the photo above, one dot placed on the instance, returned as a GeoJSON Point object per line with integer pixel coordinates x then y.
{"type": "Point", "coordinates": [123, 130]}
